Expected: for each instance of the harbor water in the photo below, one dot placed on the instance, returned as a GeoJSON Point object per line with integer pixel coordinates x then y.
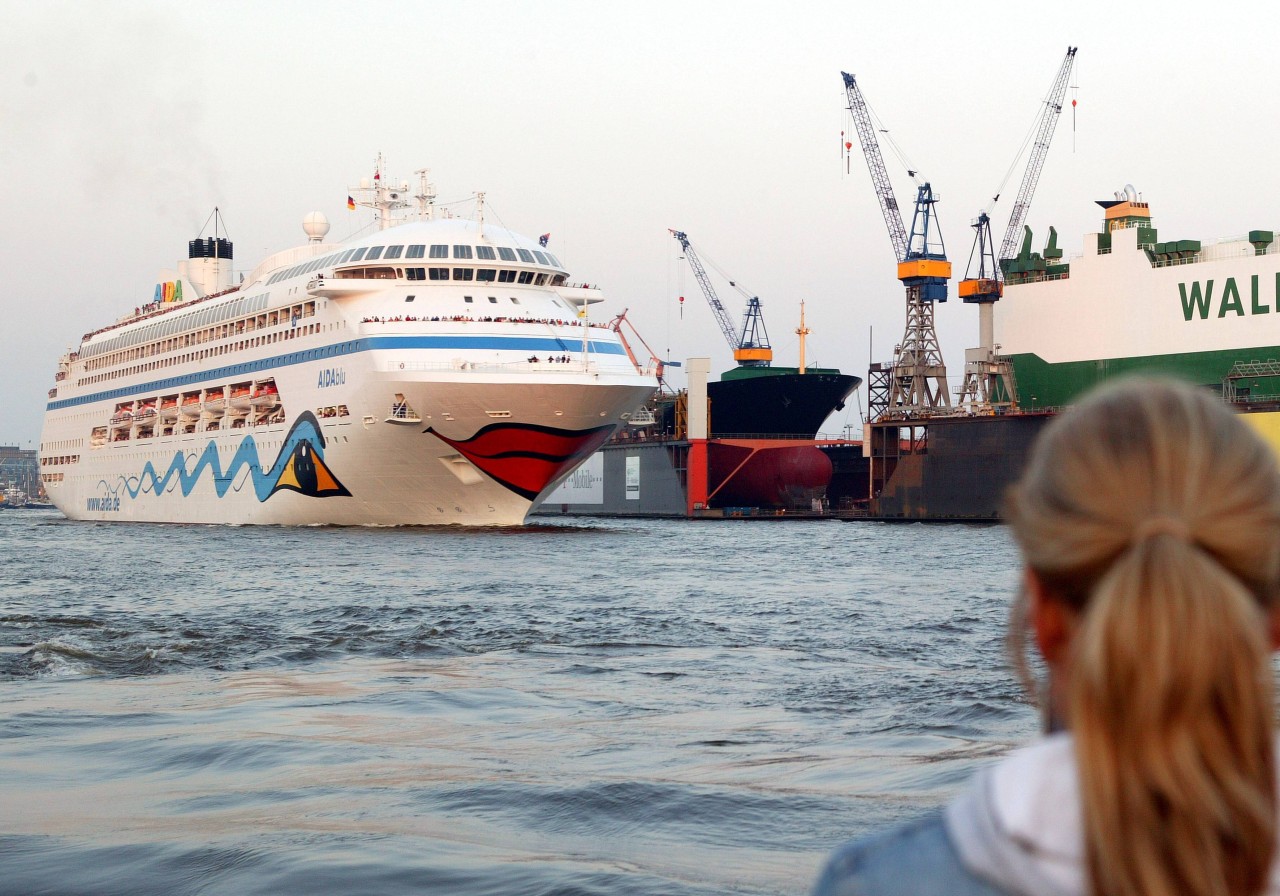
{"type": "Point", "coordinates": [575, 707]}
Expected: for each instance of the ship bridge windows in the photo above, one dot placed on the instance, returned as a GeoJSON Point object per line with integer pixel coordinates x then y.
{"type": "Point", "coordinates": [464, 273]}
{"type": "Point", "coordinates": [417, 251]}
{"type": "Point", "coordinates": [506, 254]}
{"type": "Point", "coordinates": [554, 261]}
{"type": "Point", "coordinates": [486, 275]}
{"type": "Point", "coordinates": [526, 276]}
{"type": "Point", "coordinates": [373, 253]}
{"type": "Point", "coordinates": [393, 252]}
{"type": "Point", "coordinates": [485, 252]}
{"type": "Point", "coordinates": [366, 273]}
{"type": "Point", "coordinates": [359, 253]}
{"type": "Point", "coordinates": [542, 259]}
{"type": "Point", "coordinates": [439, 251]}
{"type": "Point", "coordinates": [506, 276]}
{"type": "Point", "coordinates": [415, 274]}
{"type": "Point", "coordinates": [526, 255]}
{"type": "Point", "coordinates": [438, 273]}
{"type": "Point", "coordinates": [461, 251]}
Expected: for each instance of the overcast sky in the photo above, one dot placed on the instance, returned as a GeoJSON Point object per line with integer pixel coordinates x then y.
{"type": "Point", "coordinates": [123, 124]}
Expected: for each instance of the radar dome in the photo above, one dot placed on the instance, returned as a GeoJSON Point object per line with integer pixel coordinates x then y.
{"type": "Point", "coordinates": [316, 226]}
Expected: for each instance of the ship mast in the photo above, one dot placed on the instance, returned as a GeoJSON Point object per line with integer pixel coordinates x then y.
{"type": "Point", "coordinates": [386, 199]}
{"type": "Point", "coordinates": [802, 332]}
{"type": "Point", "coordinates": [426, 197]}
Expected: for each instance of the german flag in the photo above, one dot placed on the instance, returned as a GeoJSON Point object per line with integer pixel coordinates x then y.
{"type": "Point", "coordinates": [351, 204]}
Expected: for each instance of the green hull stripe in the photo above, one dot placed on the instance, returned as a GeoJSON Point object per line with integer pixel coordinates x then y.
{"type": "Point", "coordinates": [1042, 385]}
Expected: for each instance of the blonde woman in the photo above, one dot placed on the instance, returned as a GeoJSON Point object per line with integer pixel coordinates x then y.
{"type": "Point", "coordinates": [1149, 524]}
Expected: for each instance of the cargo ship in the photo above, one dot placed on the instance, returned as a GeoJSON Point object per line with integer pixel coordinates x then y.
{"type": "Point", "coordinates": [437, 370]}
{"type": "Point", "coordinates": [769, 402]}
{"type": "Point", "coordinates": [1133, 301]}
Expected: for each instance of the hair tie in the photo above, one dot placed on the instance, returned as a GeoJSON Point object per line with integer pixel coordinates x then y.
{"type": "Point", "coordinates": [1162, 524]}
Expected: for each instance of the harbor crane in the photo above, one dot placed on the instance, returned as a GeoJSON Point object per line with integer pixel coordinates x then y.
{"type": "Point", "coordinates": [918, 377]}
{"type": "Point", "coordinates": [988, 380]}
{"type": "Point", "coordinates": [750, 344]}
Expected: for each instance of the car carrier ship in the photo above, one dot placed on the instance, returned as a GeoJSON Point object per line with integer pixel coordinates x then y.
{"type": "Point", "coordinates": [1133, 302]}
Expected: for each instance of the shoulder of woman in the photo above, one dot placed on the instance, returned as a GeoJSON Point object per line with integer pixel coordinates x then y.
{"type": "Point", "coordinates": [917, 858]}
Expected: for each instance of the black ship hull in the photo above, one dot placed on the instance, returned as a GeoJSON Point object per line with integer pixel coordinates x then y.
{"type": "Point", "coordinates": [777, 405]}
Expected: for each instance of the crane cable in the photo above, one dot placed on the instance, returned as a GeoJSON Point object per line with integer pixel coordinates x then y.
{"type": "Point", "coordinates": [1026, 141]}
{"type": "Point", "coordinates": [709, 262]}
{"type": "Point", "coordinates": [885, 136]}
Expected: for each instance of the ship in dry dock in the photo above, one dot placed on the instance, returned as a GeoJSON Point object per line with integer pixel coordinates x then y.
{"type": "Point", "coordinates": [1134, 301]}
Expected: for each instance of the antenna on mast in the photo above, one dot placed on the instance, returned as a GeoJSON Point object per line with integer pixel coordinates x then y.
{"type": "Point", "coordinates": [426, 197]}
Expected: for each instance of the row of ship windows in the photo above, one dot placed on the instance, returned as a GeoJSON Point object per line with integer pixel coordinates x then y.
{"type": "Point", "coordinates": [480, 275]}
{"type": "Point", "coordinates": [303, 330]}
{"type": "Point", "coordinates": [373, 253]}
{"type": "Point", "coordinates": [59, 460]}
{"type": "Point", "coordinates": [49, 447]}
{"type": "Point", "coordinates": [222, 331]}
{"type": "Point", "coordinates": [178, 323]}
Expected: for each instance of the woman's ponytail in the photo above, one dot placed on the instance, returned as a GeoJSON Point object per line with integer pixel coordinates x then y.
{"type": "Point", "coordinates": [1171, 710]}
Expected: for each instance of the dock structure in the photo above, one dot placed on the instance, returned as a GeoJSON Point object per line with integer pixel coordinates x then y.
{"type": "Point", "coordinates": [19, 474]}
{"type": "Point", "coordinates": [669, 465]}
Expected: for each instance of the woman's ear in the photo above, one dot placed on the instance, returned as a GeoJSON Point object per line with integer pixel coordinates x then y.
{"type": "Point", "coordinates": [1051, 620]}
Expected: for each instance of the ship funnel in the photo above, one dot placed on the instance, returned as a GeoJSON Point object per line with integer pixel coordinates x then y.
{"type": "Point", "coordinates": [209, 266]}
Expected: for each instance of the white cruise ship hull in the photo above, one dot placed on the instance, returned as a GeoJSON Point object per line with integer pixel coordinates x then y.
{"type": "Point", "coordinates": [299, 400]}
{"type": "Point", "coordinates": [376, 464]}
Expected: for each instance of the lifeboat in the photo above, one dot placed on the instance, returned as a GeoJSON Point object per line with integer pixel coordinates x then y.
{"type": "Point", "coordinates": [191, 404]}
{"type": "Point", "coordinates": [169, 407]}
{"type": "Point", "coordinates": [265, 396]}
{"type": "Point", "coordinates": [241, 396]}
{"type": "Point", "coordinates": [215, 402]}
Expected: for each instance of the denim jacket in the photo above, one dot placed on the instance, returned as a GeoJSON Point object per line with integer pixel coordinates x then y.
{"type": "Point", "coordinates": [917, 859]}
{"type": "Point", "coordinates": [1017, 831]}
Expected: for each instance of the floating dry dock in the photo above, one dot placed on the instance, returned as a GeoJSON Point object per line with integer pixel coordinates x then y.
{"type": "Point", "coordinates": [672, 465]}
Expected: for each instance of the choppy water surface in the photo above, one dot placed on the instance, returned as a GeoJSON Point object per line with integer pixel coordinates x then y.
{"type": "Point", "coordinates": [601, 707]}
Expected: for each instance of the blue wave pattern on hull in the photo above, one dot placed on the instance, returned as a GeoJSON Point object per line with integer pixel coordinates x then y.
{"type": "Point", "coordinates": [299, 467]}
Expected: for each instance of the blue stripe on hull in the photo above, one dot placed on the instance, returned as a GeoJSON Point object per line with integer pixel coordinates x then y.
{"type": "Point", "coordinates": [552, 345]}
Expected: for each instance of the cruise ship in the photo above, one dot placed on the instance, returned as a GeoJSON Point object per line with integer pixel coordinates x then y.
{"type": "Point", "coordinates": [439, 370]}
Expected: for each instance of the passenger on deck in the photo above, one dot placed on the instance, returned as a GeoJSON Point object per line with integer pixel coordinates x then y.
{"type": "Point", "coordinates": [1148, 520]}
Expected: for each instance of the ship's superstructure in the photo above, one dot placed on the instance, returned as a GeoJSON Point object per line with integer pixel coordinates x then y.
{"type": "Point", "coordinates": [439, 370]}
{"type": "Point", "coordinates": [1132, 302]}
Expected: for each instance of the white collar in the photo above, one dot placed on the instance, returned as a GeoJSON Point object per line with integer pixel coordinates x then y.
{"type": "Point", "coordinates": [1019, 824]}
